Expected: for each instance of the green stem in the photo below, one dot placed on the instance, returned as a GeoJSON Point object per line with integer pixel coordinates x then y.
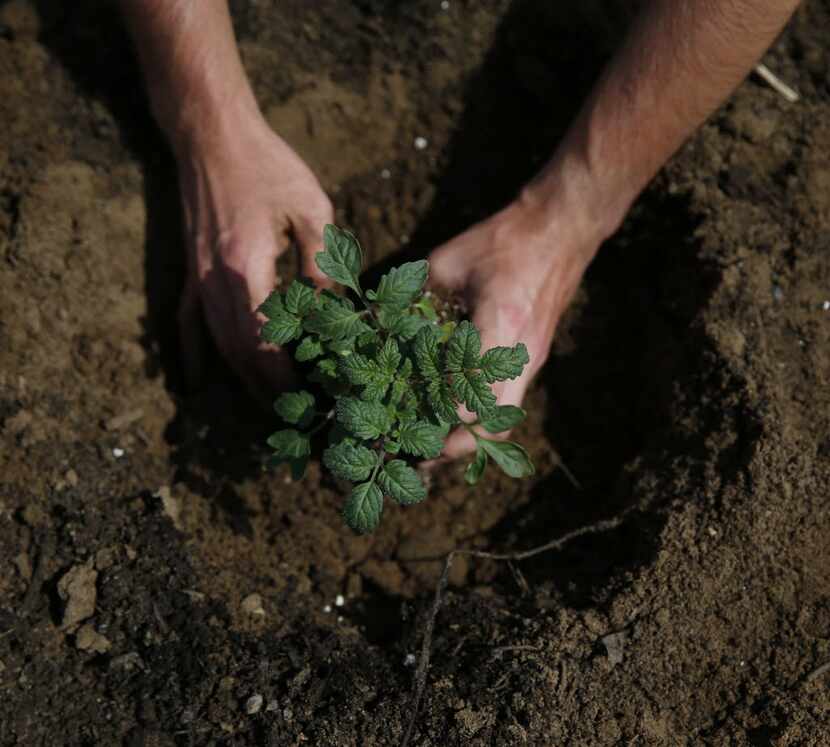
{"type": "Point", "coordinates": [317, 428]}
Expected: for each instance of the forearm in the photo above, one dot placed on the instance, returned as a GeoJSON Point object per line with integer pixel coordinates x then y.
{"type": "Point", "coordinates": [681, 59]}
{"type": "Point", "coordinates": [191, 65]}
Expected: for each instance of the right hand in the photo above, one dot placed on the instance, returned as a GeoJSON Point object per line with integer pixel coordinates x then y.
{"type": "Point", "coordinates": [246, 194]}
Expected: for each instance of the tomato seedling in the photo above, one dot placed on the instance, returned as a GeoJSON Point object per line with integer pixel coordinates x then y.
{"type": "Point", "coordinates": [396, 374]}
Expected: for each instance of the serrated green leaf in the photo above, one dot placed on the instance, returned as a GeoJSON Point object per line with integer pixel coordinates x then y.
{"type": "Point", "coordinates": [421, 439]}
{"type": "Point", "coordinates": [500, 364]}
{"type": "Point", "coordinates": [375, 390]}
{"type": "Point", "coordinates": [342, 259]}
{"type": "Point", "coordinates": [359, 369]}
{"type": "Point", "coordinates": [296, 408]}
{"type": "Point", "coordinates": [503, 418]}
{"type": "Point", "coordinates": [511, 457]}
{"type": "Point", "coordinates": [474, 391]}
{"type": "Point", "coordinates": [400, 482]}
{"type": "Point", "coordinates": [273, 305]}
{"type": "Point", "coordinates": [327, 367]}
{"type": "Point", "coordinates": [401, 285]}
{"type": "Point", "coordinates": [476, 468]}
{"type": "Point", "coordinates": [427, 353]}
{"type": "Point", "coordinates": [308, 350]}
{"type": "Point", "coordinates": [463, 348]}
{"type": "Point", "coordinates": [281, 328]}
{"type": "Point", "coordinates": [363, 508]}
{"type": "Point", "coordinates": [389, 357]}
{"type": "Point", "coordinates": [300, 298]}
{"type": "Point", "coordinates": [399, 386]}
{"type": "Point", "coordinates": [391, 447]}
{"type": "Point", "coordinates": [426, 307]}
{"type": "Point", "coordinates": [350, 462]}
{"type": "Point", "coordinates": [442, 401]}
{"type": "Point", "coordinates": [289, 444]}
{"type": "Point", "coordinates": [335, 321]}
{"type": "Point", "coordinates": [367, 420]}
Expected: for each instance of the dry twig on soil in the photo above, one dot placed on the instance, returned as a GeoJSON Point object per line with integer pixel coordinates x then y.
{"type": "Point", "coordinates": [420, 677]}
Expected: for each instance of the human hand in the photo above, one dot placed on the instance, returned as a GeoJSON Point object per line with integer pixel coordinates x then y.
{"type": "Point", "coordinates": [245, 195]}
{"type": "Point", "coordinates": [517, 272]}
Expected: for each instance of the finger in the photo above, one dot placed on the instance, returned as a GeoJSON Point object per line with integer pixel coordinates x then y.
{"type": "Point", "coordinates": [308, 234]}
{"type": "Point", "coordinates": [449, 265]}
{"type": "Point", "coordinates": [191, 335]}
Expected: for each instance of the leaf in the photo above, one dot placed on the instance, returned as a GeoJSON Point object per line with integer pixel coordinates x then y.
{"type": "Point", "coordinates": [391, 447]}
{"type": "Point", "coordinates": [399, 481]}
{"type": "Point", "coordinates": [308, 349]}
{"type": "Point", "coordinates": [427, 353]}
{"type": "Point", "coordinates": [367, 420]}
{"type": "Point", "coordinates": [296, 408]}
{"type": "Point", "coordinates": [476, 468]}
{"type": "Point", "coordinates": [300, 298]}
{"type": "Point", "coordinates": [359, 369]}
{"type": "Point", "coordinates": [499, 364]}
{"type": "Point", "coordinates": [463, 348]}
{"type": "Point", "coordinates": [363, 508]}
{"type": "Point", "coordinates": [399, 287]}
{"type": "Point", "coordinates": [289, 444]}
{"type": "Point", "coordinates": [407, 326]}
{"type": "Point", "coordinates": [281, 328]}
{"type": "Point", "coordinates": [335, 321]}
{"type": "Point", "coordinates": [474, 391]}
{"type": "Point", "coordinates": [421, 439]}
{"type": "Point", "coordinates": [426, 307]}
{"type": "Point", "coordinates": [273, 305]}
{"type": "Point", "coordinates": [389, 357]}
{"type": "Point", "coordinates": [511, 457]}
{"type": "Point", "coordinates": [350, 462]}
{"type": "Point", "coordinates": [342, 258]}
{"type": "Point", "coordinates": [376, 389]}
{"type": "Point", "coordinates": [442, 400]}
{"type": "Point", "coordinates": [503, 418]}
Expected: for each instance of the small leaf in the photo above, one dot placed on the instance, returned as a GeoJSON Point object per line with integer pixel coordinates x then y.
{"type": "Point", "coordinates": [391, 447]}
{"type": "Point", "coordinates": [426, 307]}
{"type": "Point", "coordinates": [389, 357]}
{"type": "Point", "coordinates": [408, 325]}
{"type": "Point", "coordinates": [511, 457]}
{"type": "Point", "coordinates": [342, 258]}
{"type": "Point", "coordinates": [399, 481]}
{"type": "Point", "coordinates": [399, 287]}
{"type": "Point", "coordinates": [289, 444]}
{"type": "Point", "coordinates": [350, 462]}
{"type": "Point", "coordinates": [474, 391]}
{"type": "Point", "coordinates": [367, 420]}
{"type": "Point", "coordinates": [296, 408]}
{"type": "Point", "coordinates": [335, 321]}
{"type": "Point", "coordinates": [443, 401]}
{"type": "Point", "coordinates": [359, 369]}
{"type": "Point", "coordinates": [476, 468]}
{"type": "Point", "coordinates": [427, 353]}
{"type": "Point", "coordinates": [421, 439]}
{"type": "Point", "coordinates": [281, 328]}
{"type": "Point", "coordinates": [503, 418]}
{"type": "Point", "coordinates": [363, 508]}
{"type": "Point", "coordinates": [300, 298]}
{"type": "Point", "coordinates": [273, 305]}
{"type": "Point", "coordinates": [499, 364]}
{"type": "Point", "coordinates": [375, 390]}
{"type": "Point", "coordinates": [308, 349]}
{"type": "Point", "coordinates": [463, 348]}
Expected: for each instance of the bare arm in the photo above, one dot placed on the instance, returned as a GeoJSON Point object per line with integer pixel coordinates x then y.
{"type": "Point", "coordinates": [681, 59]}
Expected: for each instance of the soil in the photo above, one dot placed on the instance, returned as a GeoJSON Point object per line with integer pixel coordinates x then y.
{"type": "Point", "coordinates": [688, 388]}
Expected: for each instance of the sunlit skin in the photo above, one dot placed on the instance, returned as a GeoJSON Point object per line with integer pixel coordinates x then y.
{"type": "Point", "coordinates": [246, 194]}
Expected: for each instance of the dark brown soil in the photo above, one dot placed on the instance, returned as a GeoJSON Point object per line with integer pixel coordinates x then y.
{"type": "Point", "coordinates": [690, 385]}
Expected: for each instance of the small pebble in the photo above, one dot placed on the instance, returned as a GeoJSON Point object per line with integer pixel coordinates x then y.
{"type": "Point", "coordinates": [826, 306]}
{"type": "Point", "coordinates": [777, 293]}
{"type": "Point", "coordinates": [409, 660]}
{"type": "Point", "coordinates": [421, 143]}
{"type": "Point", "coordinates": [327, 608]}
{"type": "Point", "coordinates": [117, 453]}
{"type": "Point", "coordinates": [404, 238]}
{"type": "Point", "coordinates": [253, 704]}
{"type": "Point", "coordinates": [339, 601]}
{"type": "Point", "coordinates": [445, 5]}
{"type": "Point", "coordinates": [385, 174]}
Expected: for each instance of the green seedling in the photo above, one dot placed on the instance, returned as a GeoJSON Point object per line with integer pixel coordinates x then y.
{"type": "Point", "coordinates": [392, 376]}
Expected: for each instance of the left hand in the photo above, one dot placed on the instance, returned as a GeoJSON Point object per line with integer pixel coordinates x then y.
{"type": "Point", "coordinates": [517, 271]}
